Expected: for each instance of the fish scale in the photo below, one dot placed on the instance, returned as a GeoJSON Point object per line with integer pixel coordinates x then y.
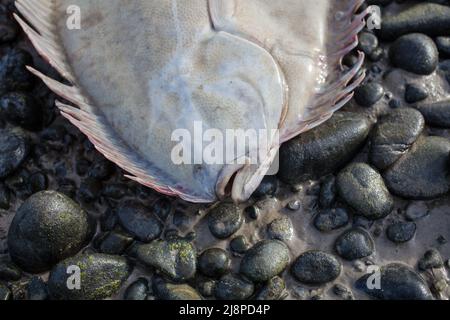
{"type": "Point", "coordinates": [139, 70]}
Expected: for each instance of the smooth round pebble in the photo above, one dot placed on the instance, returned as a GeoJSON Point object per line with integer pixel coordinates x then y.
{"type": "Point", "coordinates": [138, 290]}
{"type": "Point", "coordinates": [14, 148]}
{"type": "Point", "coordinates": [224, 220]}
{"type": "Point", "coordinates": [214, 262]}
{"type": "Point", "coordinates": [280, 229]}
{"type": "Point", "coordinates": [139, 221]}
{"type": "Point", "coordinates": [233, 287]}
{"type": "Point", "coordinates": [354, 244]}
{"type": "Point", "coordinates": [331, 219]}
{"type": "Point", "coordinates": [401, 232]}
{"type": "Point", "coordinates": [316, 268]}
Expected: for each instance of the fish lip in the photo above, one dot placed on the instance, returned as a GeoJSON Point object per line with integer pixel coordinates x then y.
{"type": "Point", "coordinates": [225, 178]}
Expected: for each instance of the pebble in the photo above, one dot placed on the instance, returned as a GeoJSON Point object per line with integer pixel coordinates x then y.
{"type": "Point", "coordinates": [363, 189]}
{"type": "Point", "coordinates": [37, 289]}
{"type": "Point", "coordinates": [114, 242]}
{"type": "Point", "coordinates": [168, 291]}
{"type": "Point", "coordinates": [331, 219]}
{"type": "Point", "coordinates": [253, 212]}
{"type": "Point", "coordinates": [354, 244]}
{"type": "Point", "coordinates": [14, 148]}
{"type": "Point", "coordinates": [294, 205]}
{"type": "Point", "coordinates": [139, 221]}
{"type": "Point", "coordinates": [343, 292]}
{"type": "Point", "coordinates": [416, 53]}
{"type": "Point", "coordinates": [428, 18]}
{"type": "Point", "coordinates": [13, 74]}
{"type": "Point", "coordinates": [443, 45]}
{"type": "Point", "coordinates": [416, 211]}
{"type": "Point", "coordinates": [397, 282]}
{"type": "Point", "coordinates": [137, 291]}
{"type": "Point", "coordinates": [280, 229]}
{"type": "Point", "coordinates": [268, 187]}
{"type": "Point", "coordinates": [401, 232]}
{"type": "Point", "coordinates": [9, 272]}
{"type": "Point", "coordinates": [101, 276]}
{"type": "Point", "coordinates": [46, 229]}
{"type": "Point", "coordinates": [393, 136]}
{"type": "Point", "coordinates": [233, 287]}
{"type": "Point", "coordinates": [415, 93]}
{"type": "Point", "coordinates": [436, 114]}
{"type": "Point", "coordinates": [422, 172]}
{"type": "Point", "coordinates": [214, 262]}
{"type": "Point", "coordinates": [369, 94]}
{"type": "Point", "coordinates": [22, 110]}
{"type": "Point", "coordinates": [265, 260]}
{"type": "Point", "coordinates": [368, 42]}
{"type": "Point", "coordinates": [432, 259]}
{"type": "Point", "coordinates": [225, 220]}
{"type": "Point", "coordinates": [239, 244]}
{"type": "Point", "coordinates": [272, 290]}
{"type": "Point", "coordinates": [316, 268]}
{"type": "Point", "coordinates": [323, 150]}
{"type": "Point", "coordinates": [175, 258]}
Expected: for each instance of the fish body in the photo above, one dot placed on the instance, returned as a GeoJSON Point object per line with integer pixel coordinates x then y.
{"type": "Point", "coordinates": [140, 70]}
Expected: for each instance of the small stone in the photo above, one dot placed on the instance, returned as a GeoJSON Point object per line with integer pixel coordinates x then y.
{"type": "Point", "coordinates": [101, 277]}
{"type": "Point", "coordinates": [13, 73]}
{"type": "Point", "coordinates": [267, 187]}
{"type": "Point", "coordinates": [239, 244]}
{"type": "Point", "coordinates": [253, 212]}
{"type": "Point", "coordinates": [169, 291]}
{"type": "Point", "coordinates": [331, 219]}
{"type": "Point", "coordinates": [401, 232]}
{"type": "Point", "coordinates": [280, 229]}
{"type": "Point", "coordinates": [422, 172]}
{"type": "Point", "coordinates": [368, 42]}
{"type": "Point", "coordinates": [363, 189]}
{"type": "Point", "coordinates": [443, 45]}
{"type": "Point", "coordinates": [316, 268]}
{"type": "Point", "coordinates": [115, 243]}
{"type": "Point", "coordinates": [14, 148]}
{"type": "Point", "coordinates": [272, 290]}
{"type": "Point", "coordinates": [294, 205]}
{"type": "Point", "coordinates": [343, 292]}
{"type": "Point", "coordinates": [437, 113]}
{"type": "Point", "coordinates": [139, 221]}
{"type": "Point", "coordinates": [397, 282]}
{"type": "Point", "coordinates": [394, 135]}
{"type": "Point", "coordinates": [432, 259]}
{"type": "Point", "coordinates": [175, 258]}
{"type": "Point", "coordinates": [355, 244]}
{"type": "Point", "coordinates": [214, 262]}
{"type": "Point", "coordinates": [46, 229]}
{"type": "Point", "coordinates": [138, 290]}
{"type": "Point", "coordinates": [37, 289]}
{"type": "Point", "coordinates": [369, 94]}
{"type": "Point", "coordinates": [9, 272]}
{"type": "Point", "coordinates": [416, 211]}
{"type": "Point", "coordinates": [265, 260]}
{"type": "Point", "coordinates": [323, 150]}
{"type": "Point", "coordinates": [225, 220]}
{"type": "Point", "coordinates": [233, 287]}
{"type": "Point", "coordinates": [415, 93]}
{"type": "Point", "coordinates": [416, 53]}
{"type": "Point", "coordinates": [22, 110]}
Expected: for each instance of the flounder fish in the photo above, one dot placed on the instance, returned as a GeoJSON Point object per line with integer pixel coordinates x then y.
{"type": "Point", "coordinates": [139, 70]}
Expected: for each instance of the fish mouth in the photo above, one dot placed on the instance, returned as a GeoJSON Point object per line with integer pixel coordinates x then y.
{"type": "Point", "coordinates": [241, 180]}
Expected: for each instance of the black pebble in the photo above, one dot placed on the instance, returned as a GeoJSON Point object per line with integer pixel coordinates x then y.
{"type": "Point", "coordinates": [368, 94]}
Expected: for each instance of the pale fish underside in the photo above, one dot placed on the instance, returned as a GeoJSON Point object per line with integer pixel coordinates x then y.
{"type": "Point", "coordinates": [140, 69]}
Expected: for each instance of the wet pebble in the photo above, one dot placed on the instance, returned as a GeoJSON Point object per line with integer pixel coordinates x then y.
{"type": "Point", "coordinates": [368, 94]}
{"type": "Point", "coordinates": [316, 268]}
{"type": "Point", "coordinates": [21, 109]}
{"type": "Point", "coordinates": [416, 211]}
{"type": "Point", "coordinates": [13, 73]}
{"type": "Point", "coordinates": [280, 229]}
{"type": "Point", "coordinates": [272, 290]}
{"type": "Point", "coordinates": [401, 232]}
{"type": "Point", "coordinates": [323, 150]}
{"type": "Point", "coordinates": [114, 242]}
{"type": "Point", "coordinates": [443, 45]}
{"type": "Point", "coordinates": [47, 228]}
{"type": "Point", "coordinates": [294, 205]}
{"type": "Point", "coordinates": [239, 244]}
{"type": "Point", "coordinates": [14, 148]}
{"type": "Point", "coordinates": [267, 187]}
{"type": "Point", "coordinates": [397, 282]}
{"type": "Point", "coordinates": [363, 189]}
{"type": "Point", "coordinates": [415, 93]}
{"type": "Point", "coordinates": [422, 172]}
{"type": "Point", "coordinates": [224, 220]}
{"type": "Point", "coordinates": [432, 259]}
{"type": "Point", "coordinates": [138, 290]}
{"type": "Point", "coordinates": [393, 136]}
{"type": "Point", "coordinates": [175, 258]}
{"type": "Point", "coordinates": [37, 289]}
{"type": "Point", "coordinates": [368, 42]}
{"type": "Point", "coordinates": [233, 287]}
{"type": "Point", "coordinates": [214, 262]}
{"type": "Point", "coordinates": [253, 212]}
{"type": "Point", "coordinates": [331, 219]}
{"type": "Point", "coordinates": [139, 221]}
{"type": "Point", "coordinates": [168, 291]}
{"type": "Point", "coordinates": [343, 292]}
{"type": "Point", "coordinates": [265, 260]}
{"type": "Point", "coordinates": [416, 53]}
{"type": "Point", "coordinates": [437, 113]}
{"type": "Point", "coordinates": [354, 244]}
{"type": "Point", "coordinates": [101, 276]}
